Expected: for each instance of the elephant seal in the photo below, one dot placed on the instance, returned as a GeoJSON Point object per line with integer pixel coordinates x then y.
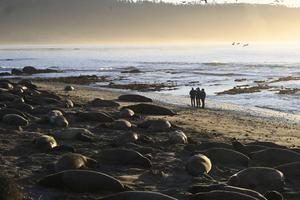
{"type": "Point", "coordinates": [94, 117]}
{"type": "Point", "coordinates": [260, 179]}
{"type": "Point", "coordinates": [103, 103]}
{"type": "Point", "coordinates": [207, 145]}
{"type": "Point", "coordinates": [121, 124]}
{"type": "Point", "coordinates": [5, 111]}
{"type": "Point", "coordinates": [267, 144]}
{"type": "Point", "coordinates": [254, 148]}
{"type": "Point", "coordinates": [69, 88]}
{"type": "Point", "coordinates": [82, 181]}
{"type": "Point", "coordinates": [15, 120]}
{"type": "Point", "coordinates": [150, 109]}
{"type": "Point", "coordinates": [134, 98]}
{"type": "Point", "coordinates": [272, 157]}
{"type": "Point", "coordinates": [6, 85]}
{"type": "Point", "coordinates": [125, 157]}
{"type": "Point", "coordinates": [138, 195]}
{"type": "Point", "coordinates": [227, 157]}
{"type": "Point", "coordinates": [178, 137]}
{"type": "Point", "coordinates": [156, 125]}
{"type": "Point", "coordinates": [239, 147]}
{"type": "Point", "coordinates": [21, 106]}
{"type": "Point", "coordinates": [9, 190]}
{"type": "Point", "coordinates": [273, 195]}
{"type": "Point", "coordinates": [221, 195]}
{"type": "Point", "coordinates": [126, 138]}
{"type": "Point", "coordinates": [208, 188]}
{"type": "Point", "coordinates": [28, 83]}
{"type": "Point", "coordinates": [68, 103]}
{"type": "Point", "coordinates": [10, 97]}
{"type": "Point", "coordinates": [56, 118]}
{"type": "Point", "coordinates": [73, 133]}
{"type": "Point", "coordinates": [126, 113]}
{"type": "Point", "coordinates": [198, 164]}
{"type": "Point", "coordinates": [291, 172]}
{"type": "Point", "coordinates": [45, 142]}
{"type": "Point", "coordinates": [71, 161]}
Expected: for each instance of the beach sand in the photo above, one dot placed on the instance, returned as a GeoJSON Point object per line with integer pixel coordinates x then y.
{"type": "Point", "coordinates": [205, 124]}
{"type": "Point", "coordinates": [27, 165]}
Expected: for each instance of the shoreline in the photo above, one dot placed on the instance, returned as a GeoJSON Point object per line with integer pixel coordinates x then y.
{"type": "Point", "coordinates": [181, 101]}
{"type": "Point", "coordinates": [233, 123]}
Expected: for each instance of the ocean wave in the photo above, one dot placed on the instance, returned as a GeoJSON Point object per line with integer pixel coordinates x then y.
{"type": "Point", "coordinates": [101, 69]}
{"type": "Point", "coordinates": [273, 66]}
{"type": "Point", "coordinates": [220, 74]}
{"type": "Point", "coordinates": [215, 63]}
{"type": "Point", "coordinates": [171, 63]}
{"type": "Point", "coordinates": [15, 59]}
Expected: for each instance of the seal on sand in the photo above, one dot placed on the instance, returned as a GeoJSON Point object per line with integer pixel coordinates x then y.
{"type": "Point", "coordinates": [150, 109]}
{"type": "Point", "coordinates": [126, 138]}
{"type": "Point", "coordinates": [71, 161]}
{"type": "Point", "coordinates": [138, 195]}
{"type": "Point", "coordinates": [73, 133]}
{"type": "Point", "coordinates": [273, 157]}
{"type": "Point", "coordinates": [125, 157]}
{"type": "Point", "coordinates": [156, 125]}
{"type": "Point", "coordinates": [56, 118]}
{"type": "Point", "coordinates": [261, 179]}
{"type": "Point", "coordinates": [178, 137]}
{"type": "Point", "coordinates": [121, 124]}
{"type": "Point", "coordinates": [291, 172]}
{"type": "Point", "coordinates": [126, 113]}
{"type": "Point", "coordinates": [15, 120]}
{"type": "Point", "coordinates": [45, 142]}
{"type": "Point", "coordinates": [226, 157]}
{"type": "Point", "coordinates": [103, 103]}
{"type": "Point", "coordinates": [9, 190]}
{"type": "Point", "coordinates": [134, 98]}
{"type": "Point", "coordinates": [208, 188]}
{"type": "Point", "coordinates": [198, 164]}
{"type": "Point", "coordinates": [82, 181]}
{"type": "Point", "coordinates": [94, 116]}
{"type": "Point", "coordinates": [221, 195]}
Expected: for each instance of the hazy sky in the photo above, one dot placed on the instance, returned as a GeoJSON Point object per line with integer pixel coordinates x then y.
{"type": "Point", "coordinates": [109, 21]}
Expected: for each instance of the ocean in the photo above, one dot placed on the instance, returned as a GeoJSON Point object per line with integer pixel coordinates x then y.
{"type": "Point", "coordinates": [215, 67]}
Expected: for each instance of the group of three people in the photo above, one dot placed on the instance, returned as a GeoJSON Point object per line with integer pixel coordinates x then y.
{"type": "Point", "coordinates": [197, 97]}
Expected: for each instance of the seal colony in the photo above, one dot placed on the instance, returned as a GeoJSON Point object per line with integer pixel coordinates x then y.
{"type": "Point", "coordinates": [68, 142]}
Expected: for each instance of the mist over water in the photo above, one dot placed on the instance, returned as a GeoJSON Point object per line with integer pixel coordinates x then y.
{"type": "Point", "coordinates": [213, 67]}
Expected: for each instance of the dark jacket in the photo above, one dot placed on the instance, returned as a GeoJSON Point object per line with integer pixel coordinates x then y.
{"type": "Point", "coordinates": [202, 95]}
{"type": "Point", "coordinates": [193, 93]}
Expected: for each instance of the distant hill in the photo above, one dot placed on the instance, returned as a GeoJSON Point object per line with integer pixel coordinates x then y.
{"type": "Point", "coordinates": [112, 21]}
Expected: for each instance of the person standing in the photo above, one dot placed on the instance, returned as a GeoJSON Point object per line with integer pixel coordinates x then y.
{"type": "Point", "coordinates": [193, 97]}
{"type": "Point", "coordinates": [202, 97]}
{"type": "Point", "coordinates": [198, 94]}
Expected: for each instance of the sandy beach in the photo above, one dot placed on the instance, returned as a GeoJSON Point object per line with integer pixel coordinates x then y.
{"type": "Point", "coordinates": [28, 164]}
{"type": "Point", "coordinates": [207, 124]}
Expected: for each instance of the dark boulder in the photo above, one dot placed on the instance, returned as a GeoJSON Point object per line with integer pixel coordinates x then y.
{"type": "Point", "coordinates": [16, 72]}
{"type": "Point", "coordinates": [5, 74]}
